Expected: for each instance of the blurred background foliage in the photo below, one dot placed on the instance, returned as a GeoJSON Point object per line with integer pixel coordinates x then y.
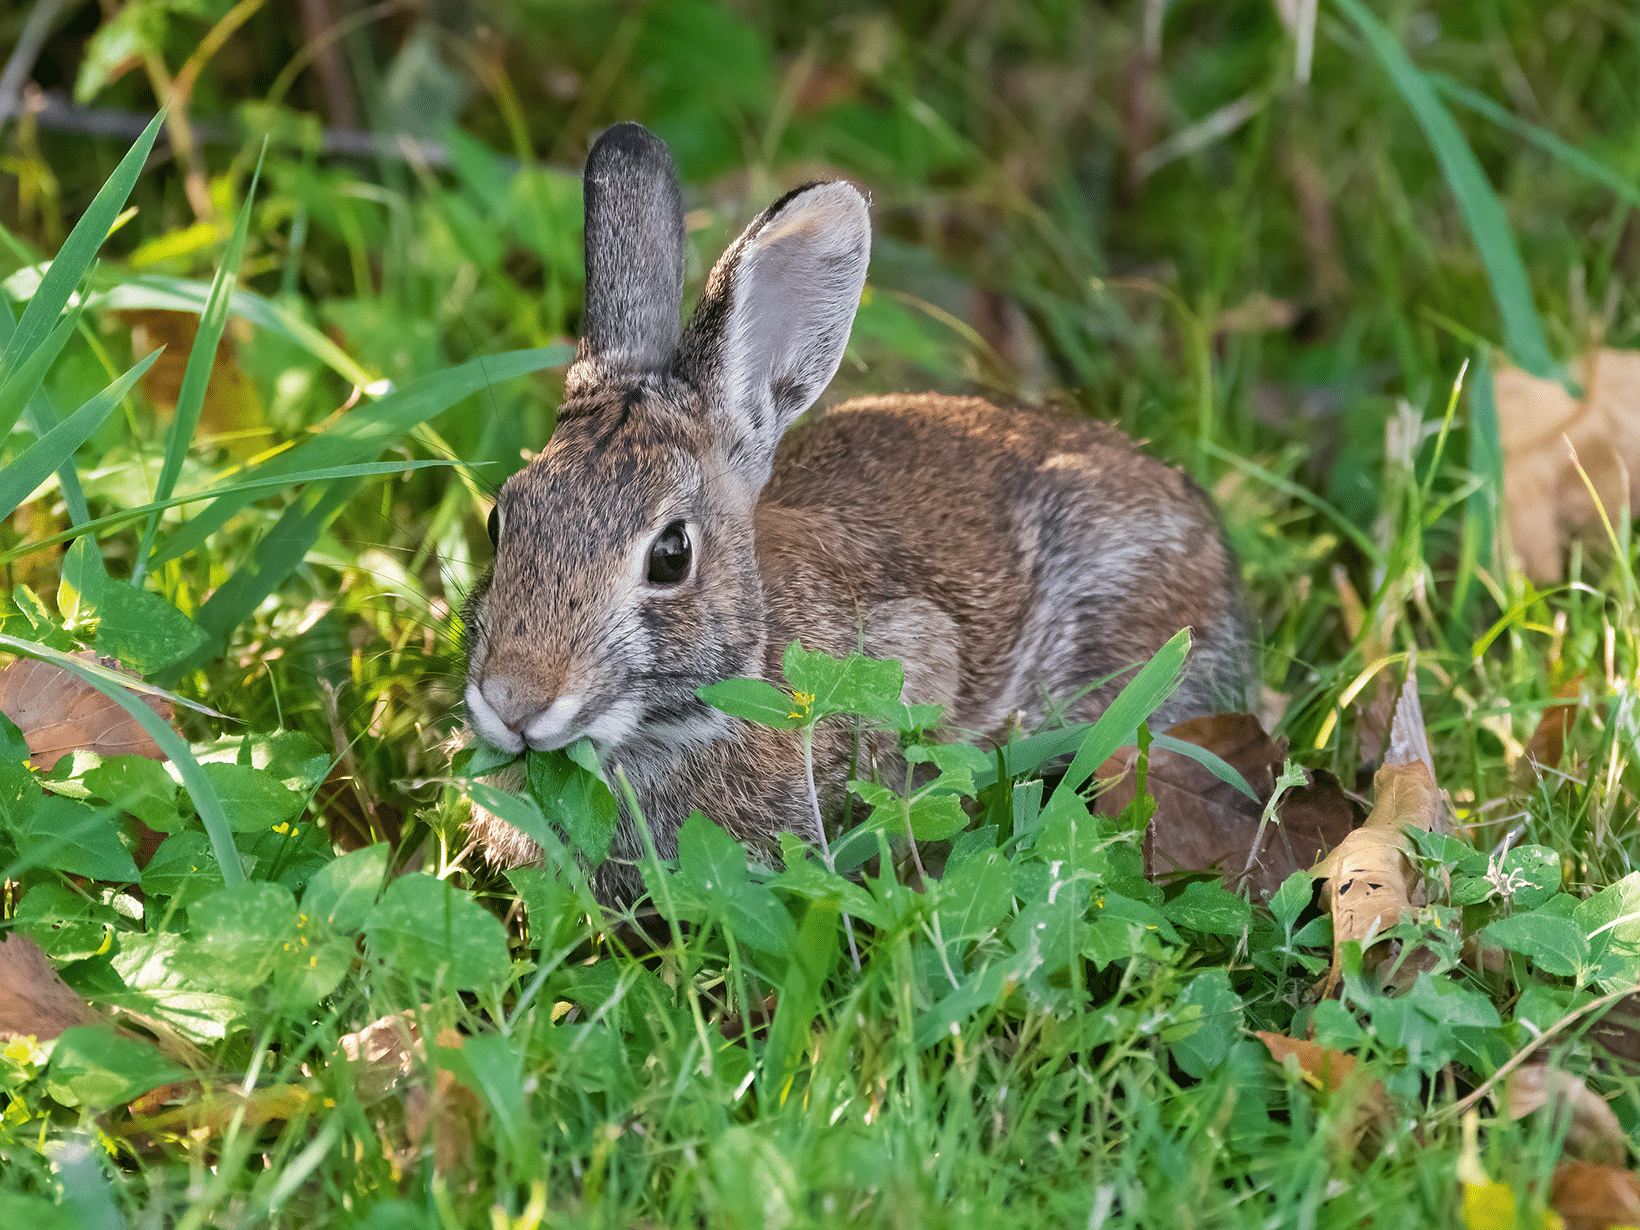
{"type": "Point", "coordinates": [1214, 222]}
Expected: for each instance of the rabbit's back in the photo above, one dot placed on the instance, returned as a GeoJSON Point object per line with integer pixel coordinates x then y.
{"type": "Point", "coordinates": [1008, 555]}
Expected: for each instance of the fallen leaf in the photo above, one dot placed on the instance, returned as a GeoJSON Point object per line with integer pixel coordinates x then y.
{"type": "Point", "coordinates": [232, 406]}
{"type": "Point", "coordinates": [1545, 498]}
{"type": "Point", "coordinates": [1204, 823]}
{"type": "Point", "coordinates": [1258, 313]}
{"type": "Point", "coordinates": [1368, 1105]}
{"type": "Point", "coordinates": [210, 1109]}
{"type": "Point", "coordinates": [447, 1115]}
{"type": "Point", "coordinates": [1547, 746]}
{"type": "Point", "coordinates": [382, 1054]}
{"type": "Point", "coordinates": [34, 1000]}
{"type": "Point", "coordinates": [1619, 1030]}
{"type": "Point", "coordinates": [1591, 1197]}
{"type": "Point", "coordinates": [1593, 1133]}
{"type": "Point", "coordinates": [59, 713]}
{"type": "Point", "coordinates": [1370, 881]}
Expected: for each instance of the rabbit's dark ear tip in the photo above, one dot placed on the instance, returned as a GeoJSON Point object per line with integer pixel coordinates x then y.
{"type": "Point", "coordinates": [631, 140]}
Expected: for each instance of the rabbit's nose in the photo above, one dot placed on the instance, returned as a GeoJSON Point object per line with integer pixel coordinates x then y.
{"type": "Point", "coordinates": [543, 721]}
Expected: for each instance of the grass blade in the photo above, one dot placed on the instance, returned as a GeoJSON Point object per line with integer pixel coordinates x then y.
{"type": "Point", "coordinates": [191, 397]}
{"type": "Point", "coordinates": [42, 415]}
{"type": "Point", "coordinates": [18, 386]}
{"type": "Point", "coordinates": [75, 257]}
{"type": "Point", "coordinates": [1545, 140]}
{"type": "Point", "coordinates": [1211, 761]}
{"type": "Point", "coordinates": [364, 431]}
{"type": "Point", "coordinates": [1482, 211]}
{"type": "Point", "coordinates": [262, 486]}
{"type": "Point", "coordinates": [1142, 696]}
{"type": "Point", "coordinates": [56, 448]}
{"type": "Point", "coordinates": [175, 747]}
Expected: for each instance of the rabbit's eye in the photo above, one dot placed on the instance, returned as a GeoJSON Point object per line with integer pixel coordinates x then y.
{"type": "Point", "coordinates": [669, 556]}
{"type": "Point", "coordinates": [495, 525]}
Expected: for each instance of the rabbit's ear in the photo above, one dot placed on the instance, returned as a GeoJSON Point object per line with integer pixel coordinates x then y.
{"type": "Point", "coordinates": [770, 329]}
{"type": "Point", "coordinates": [634, 249]}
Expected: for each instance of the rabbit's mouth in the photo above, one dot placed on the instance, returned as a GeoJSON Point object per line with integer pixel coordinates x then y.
{"type": "Point", "coordinates": [495, 712]}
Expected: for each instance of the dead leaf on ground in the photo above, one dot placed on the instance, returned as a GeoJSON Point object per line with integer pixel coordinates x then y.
{"type": "Point", "coordinates": [1591, 1197]}
{"type": "Point", "coordinates": [388, 1055]}
{"type": "Point", "coordinates": [58, 712]}
{"type": "Point", "coordinates": [208, 1108]}
{"type": "Point", "coordinates": [34, 1000]}
{"type": "Point", "coordinates": [232, 406]}
{"type": "Point", "coordinates": [1371, 884]}
{"type": "Point", "coordinates": [1545, 499]}
{"type": "Point", "coordinates": [1547, 746]}
{"type": "Point", "coordinates": [1203, 823]}
{"type": "Point", "coordinates": [1593, 1133]}
{"type": "Point", "coordinates": [1375, 705]}
{"type": "Point", "coordinates": [1619, 1029]}
{"type": "Point", "coordinates": [1333, 1072]}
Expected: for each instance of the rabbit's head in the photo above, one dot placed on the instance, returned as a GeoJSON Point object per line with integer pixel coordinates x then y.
{"type": "Point", "coordinates": [625, 575]}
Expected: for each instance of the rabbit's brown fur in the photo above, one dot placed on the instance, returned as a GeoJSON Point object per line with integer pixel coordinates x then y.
{"type": "Point", "coordinates": [1006, 556]}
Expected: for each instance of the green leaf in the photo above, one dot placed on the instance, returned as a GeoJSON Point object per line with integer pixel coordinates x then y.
{"type": "Point", "coordinates": [1208, 907]}
{"type": "Point", "coordinates": [344, 893]}
{"type": "Point", "coordinates": [65, 924]}
{"type": "Point", "coordinates": [98, 1066]}
{"type": "Point", "coordinates": [140, 786]}
{"type": "Point", "coordinates": [712, 874]}
{"type": "Point", "coordinates": [1144, 694]}
{"type": "Point", "coordinates": [1611, 919]}
{"type": "Point", "coordinates": [239, 935]}
{"type": "Point", "coordinates": [480, 760]}
{"type": "Point", "coordinates": [80, 591]}
{"type": "Point", "coordinates": [56, 447]}
{"type": "Point", "coordinates": [253, 801]}
{"type": "Point", "coordinates": [1536, 874]}
{"type": "Point", "coordinates": [1219, 1011]}
{"type": "Point", "coordinates": [1482, 212]}
{"type": "Point", "coordinates": [931, 817]}
{"type": "Point", "coordinates": [70, 837]}
{"type": "Point", "coordinates": [69, 267]}
{"type": "Point", "coordinates": [974, 898]}
{"type": "Point", "coordinates": [755, 700]}
{"type": "Point", "coordinates": [425, 929]}
{"type": "Point", "coordinates": [855, 684]}
{"type": "Point", "coordinates": [576, 800]}
{"type": "Point", "coordinates": [1556, 945]}
{"type": "Point", "coordinates": [184, 868]}
{"type": "Point", "coordinates": [142, 630]}
{"type": "Point", "coordinates": [1291, 898]}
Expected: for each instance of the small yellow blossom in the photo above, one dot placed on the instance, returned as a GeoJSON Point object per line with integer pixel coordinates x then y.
{"type": "Point", "coordinates": [805, 701]}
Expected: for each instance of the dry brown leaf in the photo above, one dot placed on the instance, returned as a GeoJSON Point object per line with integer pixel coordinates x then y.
{"type": "Point", "coordinates": [1258, 313]}
{"type": "Point", "coordinates": [1591, 1197]}
{"type": "Point", "coordinates": [1593, 1135]}
{"type": "Point", "coordinates": [1547, 746]}
{"type": "Point", "coordinates": [210, 1109]}
{"type": "Point", "coordinates": [1203, 823]}
{"type": "Point", "coordinates": [449, 1114]}
{"type": "Point", "coordinates": [232, 406]}
{"type": "Point", "coordinates": [59, 713]}
{"type": "Point", "coordinates": [1545, 498]}
{"type": "Point", "coordinates": [34, 1000]}
{"type": "Point", "coordinates": [382, 1054]}
{"type": "Point", "coordinates": [1619, 1030]}
{"type": "Point", "coordinates": [1333, 1072]}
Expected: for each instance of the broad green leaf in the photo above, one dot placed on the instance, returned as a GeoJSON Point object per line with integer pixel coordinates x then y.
{"type": "Point", "coordinates": [140, 786]}
{"type": "Point", "coordinates": [70, 837]}
{"type": "Point", "coordinates": [343, 894]}
{"type": "Point", "coordinates": [80, 591]}
{"type": "Point", "coordinates": [824, 685]}
{"type": "Point", "coordinates": [184, 868]}
{"type": "Point", "coordinates": [98, 1066]}
{"type": "Point", "coordinates": [755, 700]}
{"type": "Point", "coordinates": [142, 630]}
{"type": "Point", "coordinates": [56, 448]}
{"type": "Point", "coordinates": [982, 989]}
{"type": "Point", "coordinates": [240, 936]}
{"type": "Point", "coordinates": [1536, 873]}
{"type": "Point", "coordinates": [931, 817]}
{"type": "Point", "coordinates": [1483, 213]}
{"type": "Point", "coordinates": [712, 875]}
{"type": "Point", "coordinates": [1144, 694]}
{"type": "Point", "coordinates": [1556, 945]}
{"type": "Point", "coordinates": [1611, 919]}
{"type": "Point", "coordinates": [64, 923]}
{"type": "Point", "coordinates": [1210, 908]}
{"type": "Point", "coordinates": [70, 264]}
{"type": "Point", "coordinates": [426, 929]}
{"type": "Point", "coordinates": [254, 801]}
{"type": "Point", "coordinates": [575, 800]}
{"type": "Point", "coordinates": [1291, 898]}
{"type": "Point", "coordinates": [974, 898]}
{"type": "Point", "coordinates": [1218, 1011]}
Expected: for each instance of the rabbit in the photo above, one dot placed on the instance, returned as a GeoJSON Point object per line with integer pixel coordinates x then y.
{"type": "Point", "coordinates": [673, 534]}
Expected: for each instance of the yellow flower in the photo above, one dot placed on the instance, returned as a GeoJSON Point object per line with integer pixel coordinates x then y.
{"type": "Point", "coordinates": [805, 701]}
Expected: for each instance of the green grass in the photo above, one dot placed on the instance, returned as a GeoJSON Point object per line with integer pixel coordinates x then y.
{"type": "Point", "coordinates": [801, 1048]}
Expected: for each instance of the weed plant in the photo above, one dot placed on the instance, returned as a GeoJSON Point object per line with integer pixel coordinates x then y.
{"type": "Point", "coordinates": [1291, 257]}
